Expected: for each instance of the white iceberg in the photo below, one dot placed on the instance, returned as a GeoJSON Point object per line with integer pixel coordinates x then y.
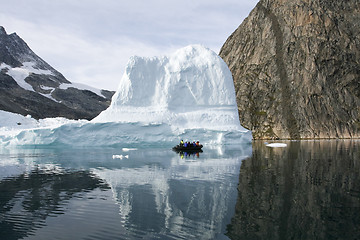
{"type": "Point", "coordinates": [160, 100]}
{"type": "Point", "coordinates": [192, 88]}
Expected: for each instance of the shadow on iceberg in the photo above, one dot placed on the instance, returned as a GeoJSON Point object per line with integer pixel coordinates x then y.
{"type": "Point", "coordinates": [120, 135]}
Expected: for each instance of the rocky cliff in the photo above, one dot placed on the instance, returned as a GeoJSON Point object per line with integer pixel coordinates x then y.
{"type": "Point", "coordinates": [29, 85]}
{"type": "Point", "coordinates": [296, 69]}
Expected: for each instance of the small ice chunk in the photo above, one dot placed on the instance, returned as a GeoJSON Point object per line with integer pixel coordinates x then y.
{"type": "Point", "coordinates": [120, 156]}
{"type": "Point", "coordinates": [129, 149]}
{"type": "Point", "coordinates": [276, 145]}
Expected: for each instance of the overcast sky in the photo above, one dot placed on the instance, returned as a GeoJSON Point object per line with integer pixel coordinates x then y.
{"type": "Point", "coordinates": [90, 41]}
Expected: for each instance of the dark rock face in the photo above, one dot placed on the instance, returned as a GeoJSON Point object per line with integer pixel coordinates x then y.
{"type": "Point", "coordinates": [45, 98]}
{"type": "Point", "coordinates": [296, 69]}
{"type": "Point", "coordinates": [309, 190]}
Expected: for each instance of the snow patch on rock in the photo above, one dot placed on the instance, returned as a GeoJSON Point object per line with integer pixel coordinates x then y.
{"type": "Point", "coordinates": [20, 73]}
{"type": "Point", "coordinates": [82, 87]}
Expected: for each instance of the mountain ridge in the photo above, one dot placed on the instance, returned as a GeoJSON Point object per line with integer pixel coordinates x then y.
{"type": "Point", "coordinates": [29, 85]}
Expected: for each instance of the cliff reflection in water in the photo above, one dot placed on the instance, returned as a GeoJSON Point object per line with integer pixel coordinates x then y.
{"type": "Point", "coordinates": [27, 200]}
{"type": "Point", "coordinates": [309, 190]}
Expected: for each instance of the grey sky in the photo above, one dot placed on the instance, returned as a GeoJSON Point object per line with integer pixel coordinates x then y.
{"type": "Point", "coordinates": [90, 41]}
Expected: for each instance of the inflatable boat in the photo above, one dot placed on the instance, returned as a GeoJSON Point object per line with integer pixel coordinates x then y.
{"type": "Point", "coordinates": [191, 148]}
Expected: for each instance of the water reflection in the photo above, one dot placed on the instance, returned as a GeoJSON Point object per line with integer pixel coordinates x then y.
{"type": "Point", "coordinates": [174, 198]}
{"type": "Point", "coordinates": [89, 194]}
{"type": "Point", "coordinates": [309, 190]}
{"type": "Point", "coordinates": [189, 154]}
{"type": "Point", "coordinates": [29, 198]}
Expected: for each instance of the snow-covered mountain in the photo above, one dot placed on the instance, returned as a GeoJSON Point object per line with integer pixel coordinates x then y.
{"type": "Point", "coordinates": [29, 85]}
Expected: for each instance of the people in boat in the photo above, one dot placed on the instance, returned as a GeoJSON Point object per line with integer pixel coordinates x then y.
{"type": "Point", "coordinates": [189, 144]}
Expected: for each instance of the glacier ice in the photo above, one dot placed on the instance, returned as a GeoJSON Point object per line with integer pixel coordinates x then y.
{"type": "Point", "coordinates": [189, 94]}
{"type": "Point", "coordinates": [192, 88]}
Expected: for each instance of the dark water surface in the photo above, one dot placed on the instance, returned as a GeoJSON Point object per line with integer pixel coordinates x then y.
{"type": "Point", "coordinates": [308, 190]}
{"type": "Point", "coordinates": [112, 193]}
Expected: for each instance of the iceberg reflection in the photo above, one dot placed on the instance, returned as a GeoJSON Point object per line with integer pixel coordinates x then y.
{"type": "Point", "coordinates": [187, 199]}
{"type": "Point", "coordinates": [87, 193]}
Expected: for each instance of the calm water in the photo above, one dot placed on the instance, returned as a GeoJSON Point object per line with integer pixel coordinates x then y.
{"type": "Point", "coordinates": [118, 193]}
{"type": "Point", "coordinates": [308, 190]}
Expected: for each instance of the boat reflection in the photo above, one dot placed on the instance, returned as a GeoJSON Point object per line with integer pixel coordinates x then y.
{"type": "Point", "coordinates": [189, 154]}
{"type": "Point", "coordinates": [89, 194]}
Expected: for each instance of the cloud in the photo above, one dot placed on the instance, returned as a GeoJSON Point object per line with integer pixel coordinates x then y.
{"type": "Point", "coordinates": [93, 61]}
{"type": "Point", "coordinates": [90, 41]}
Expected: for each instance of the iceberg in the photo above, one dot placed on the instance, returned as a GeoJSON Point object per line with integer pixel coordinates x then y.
{"type": "Point", "coordinates": [189, 94]}
{"type": "Point", "coordinates": [192, 88]}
